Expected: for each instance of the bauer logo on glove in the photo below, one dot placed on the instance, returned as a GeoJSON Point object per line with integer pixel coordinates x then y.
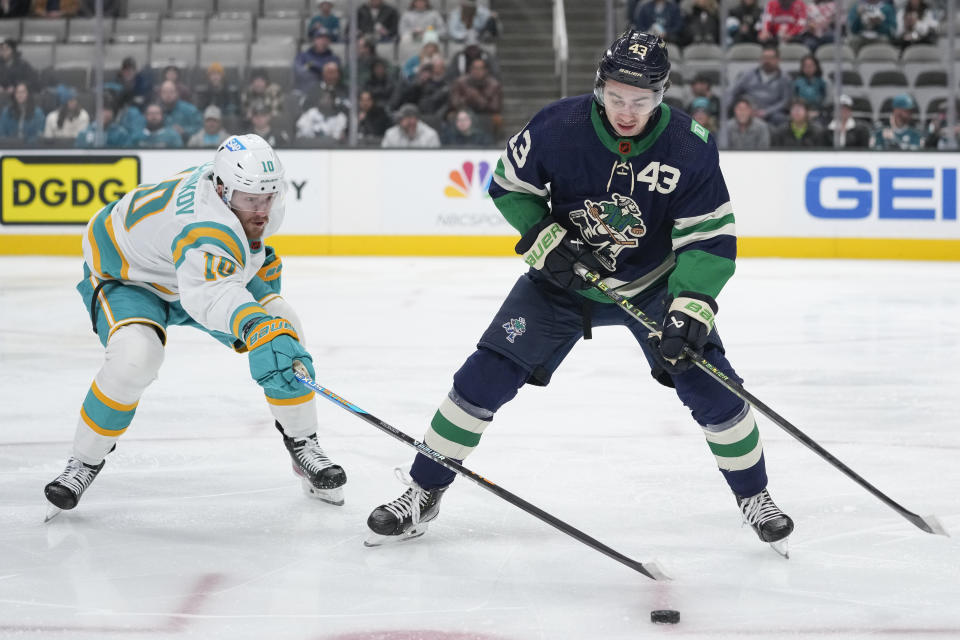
{"type": "Point", "coordinates": [267, 330]}
{"type": "Point", "coordinates": [688, 322]}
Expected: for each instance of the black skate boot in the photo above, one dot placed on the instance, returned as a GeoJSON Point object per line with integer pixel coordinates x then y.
{"type": "Point", "coordinates": [771, 524]}
{"type": "Point", "coordinates": [65, 490]}
{"type": "Point", "coordinates": [406, 517]}
{"type": "Point", "coordinates": [320, 478]}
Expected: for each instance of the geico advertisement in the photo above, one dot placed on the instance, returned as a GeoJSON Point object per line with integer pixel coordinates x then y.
{"type": "Point", "coordinates": [844, 195]}
{"type": "Point", "coordinates": [65, 189]}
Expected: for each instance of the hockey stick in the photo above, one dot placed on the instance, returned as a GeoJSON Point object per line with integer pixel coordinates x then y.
{"type": "Point", "coordinates": [930, 523]}
{"type": "Point", "coordinates": [649, 569]}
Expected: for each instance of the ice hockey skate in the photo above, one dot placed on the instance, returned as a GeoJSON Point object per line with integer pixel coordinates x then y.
{"type": "Point", "coordinates": [406, 517]}
{"type": "Point", "coordinates": [320, 478]}
{"type": "Point", "coordinates": [771, 524]}
{"type": "Point", "coordinates": [65, 490]}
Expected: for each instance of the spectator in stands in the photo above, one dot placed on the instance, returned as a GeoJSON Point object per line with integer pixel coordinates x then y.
{"type": "Point", "coordinates": [308, 65]}
{"type": "Point", "coordinates": [461, 61]}
{"type": "Point", "coordinates": [330, 92]}
{"type": "Point", "coordinates": [212, 133]}
{"type": "Point", "coordinates": [871, 21]}
{"type": "Point", "coordinates": [429, 51]}
{"type": "Point", "coordinates": [381, 83]}
{"type": "Point", "coordinates": [326, 108]}
{"type": "Point", "coordinates": [744, 131]}
{"type": "Point", "coordinates": [821, 22]}
{"type": "Point", "coordinates": [132, 86]}
{"type": "Point", "coordinates": [703, 23]}
{"type": "Point", "coordinates": [938, 133]}
{"type": "Point", "coordinates": [172, 73]}
{"type": "Point", "coordinates": [899, 133]}
{"type": "Point", "coordinates": [462, 131]}
{"type": "Point", "coordinates": [378, 19]}
{"type": "Point", "coordinates": [114, 135]}
{"type": "Point", "coordinates": [327, 19]}
{"type": "Point", "coordinates": [262, 91]}
{"type": "Point", "coordinates": [179, 115]}
{"type": "Point", "coordinates": [480, 92]}
{"type": "Point", "coordinates": [429, 91]}
{"type": "Point", "coordinates": [216, 91]}
{"type": "Point", "coordinates": [662, 17]}
{"type": "Point", "coordinates": [768, 87]}
{"type": "Point", "coordinates": [799, 131]}
{"type": "Point", "coordinates": [130, 118]}
{"type": "Point", "coordinates": [410, 132]}
{"type": "Point", "coordinates": [14, 69]}
{"type": "Point", "coordinates": [67, 121]}
{"type": "Point", "coordinates": [366, 57]}
{"type": "Point", "coordinates": [810, 86]}
{"type": "Point", "coordinates": [419, 20]}
{"type": "Point", "coordinates": [155, 133]}
{"type": "Point", "coordinates": [470, 23]}
{"type": "Point", "coordinates": [14, 8]}
{"type": "Point", "coordinates": [55, 8]}
{"type": "Point", "coordinates": [784, 21]}
{"type": "Point", "coordinates": [744, 21]}
{"type": "Point", "coordinates": [372, 119]}
{"type": "Point", "coordinates": [853, 134]}
{"type": "Point", "coordinates": [261, 123]}
{"type": "Point", "coordinates": [916, 24]}
{"type": "Point", "coordinates": [700, 112]}
{"type": "Point", "coordinates": [22, 118]}
{"type": "Point", "coordinates": [700, 88]}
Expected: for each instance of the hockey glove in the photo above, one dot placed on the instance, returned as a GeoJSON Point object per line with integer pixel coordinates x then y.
{"type": "Point", "coordinates": [554, 252]}
{"type": "Point", "coordinates": [273, 345]}
{"type": "Point", "coordinates": [688, 322]}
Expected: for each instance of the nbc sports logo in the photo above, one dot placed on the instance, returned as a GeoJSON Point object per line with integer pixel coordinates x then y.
{"type": "Point", "coordinates": [464, 182]}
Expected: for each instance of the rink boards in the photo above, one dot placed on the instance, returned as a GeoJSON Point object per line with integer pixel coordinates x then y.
{"type": "Point", "coordinates": [398, 202]}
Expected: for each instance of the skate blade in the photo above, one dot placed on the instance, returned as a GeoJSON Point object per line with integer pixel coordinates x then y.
{"type": "Point", "coordinates": [781, 547]}
{"type": "Point", "coordinates": [52, 512]}
{"type": "Point", "coordinates": [330, 496]}
{"type": "Point", "coordinates": [377, 540]}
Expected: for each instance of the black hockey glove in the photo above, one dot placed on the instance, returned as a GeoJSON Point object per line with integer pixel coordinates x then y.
{"type": "Point", "coordinates": [688, 322]}
{"type": "Point", "coordinates": [554, 251]}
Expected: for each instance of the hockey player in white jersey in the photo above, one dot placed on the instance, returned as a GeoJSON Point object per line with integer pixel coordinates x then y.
{"type": "Point", "coordinates": [189, 251]}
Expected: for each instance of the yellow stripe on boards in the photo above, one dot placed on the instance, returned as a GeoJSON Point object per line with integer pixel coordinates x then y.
{"type": "Point", "coordinates": [113, 404]}
{"type": "Point", "coordinates": [322, 245]}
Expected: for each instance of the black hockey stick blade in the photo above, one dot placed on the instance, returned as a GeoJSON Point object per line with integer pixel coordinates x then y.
{"type": "Point", "coordinates": [650, 569]}
{"type": "Point", "coordinates": [930, 524]}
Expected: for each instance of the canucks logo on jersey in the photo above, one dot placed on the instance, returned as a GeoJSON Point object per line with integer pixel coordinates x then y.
{"type": "Point", "coordinates": [611, 226]}
{"type": "Point", "coordinates": [515, 328]}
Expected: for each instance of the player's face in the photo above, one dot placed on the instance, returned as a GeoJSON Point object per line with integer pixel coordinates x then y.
{"type": "Point", "coordinates": [253, 211]}
{"type": "Point", "coordinates": [628, 108]}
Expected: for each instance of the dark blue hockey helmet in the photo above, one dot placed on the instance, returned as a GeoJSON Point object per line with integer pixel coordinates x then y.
{"type": "Point", "coordinates": [635, 58]}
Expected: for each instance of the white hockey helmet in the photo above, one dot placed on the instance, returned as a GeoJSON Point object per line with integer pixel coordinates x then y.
{"type": "Point", "coordinates": [248, 163]}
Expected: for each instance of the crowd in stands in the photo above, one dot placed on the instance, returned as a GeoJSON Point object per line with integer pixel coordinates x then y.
{"type": "Point", "coordinates": [776, 103]}
{"type": "Point", "coordinates": [424, 79]}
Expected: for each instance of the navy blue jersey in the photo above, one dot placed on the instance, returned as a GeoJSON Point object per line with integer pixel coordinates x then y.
{"type": "Point", "coordinates": [651, 207]}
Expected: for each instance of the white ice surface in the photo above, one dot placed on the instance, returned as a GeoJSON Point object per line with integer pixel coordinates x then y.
{"type": "Point", "coordinates": [197, 528]}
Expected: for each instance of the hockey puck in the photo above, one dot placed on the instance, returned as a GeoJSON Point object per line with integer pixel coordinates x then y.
{"type": "Point", "coordinates": [665, 616]}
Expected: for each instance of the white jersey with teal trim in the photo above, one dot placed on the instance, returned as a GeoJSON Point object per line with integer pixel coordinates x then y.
{"type": "Point", "coordinates": [179, 240]}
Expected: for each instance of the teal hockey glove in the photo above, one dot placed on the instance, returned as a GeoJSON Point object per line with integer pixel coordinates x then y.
{"type": "Point", "coordinates": [273, 345]}
{"type": "Point", "coordinates": [554, 252]}
{"type": "Point", "coordinates": [688, 322]}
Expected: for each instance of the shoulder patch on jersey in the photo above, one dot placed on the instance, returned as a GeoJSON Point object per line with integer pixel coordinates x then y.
{"type": "Point", "coordinates": [699, 130]}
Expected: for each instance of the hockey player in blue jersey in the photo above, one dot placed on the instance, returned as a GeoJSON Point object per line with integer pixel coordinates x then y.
{"type": "Point", "coordinates": [190, 251]}
{"type": "Point", "coordinates": [632, 190]}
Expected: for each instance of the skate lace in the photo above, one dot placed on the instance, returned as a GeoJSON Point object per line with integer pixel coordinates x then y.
{"type": "Point", "coordinates": [310, 455]}
{"type": "Point", "coordinates": [759, 509]}
{"type": "Point", "coordinates": [411, 501]}
{"type": "Point", "coordinates": [76, 477]}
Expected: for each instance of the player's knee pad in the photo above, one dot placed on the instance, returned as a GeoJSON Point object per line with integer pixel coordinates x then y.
{"type": "Point", "coordinates": [133, 356]}
{"type": "Point", "coordinates": [489, 380]}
